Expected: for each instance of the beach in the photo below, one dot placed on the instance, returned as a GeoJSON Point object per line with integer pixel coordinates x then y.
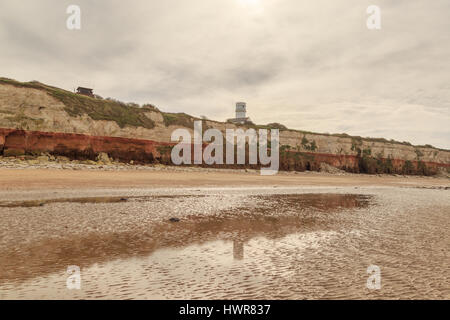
{"type": "Point", "coordinates": [192, 233]}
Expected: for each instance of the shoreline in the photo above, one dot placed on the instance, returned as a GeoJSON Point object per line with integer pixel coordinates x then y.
{"type": "Point", "coordinates": [219, 231]}
{"type": "Point", "coordinates": [126, 220]}
{"type": "Point", "coordinates": [77, 177]}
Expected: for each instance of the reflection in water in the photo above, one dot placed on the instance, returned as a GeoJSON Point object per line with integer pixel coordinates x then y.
{"type": "Point", "coordinates": [278, 216]}
{"type": "Point", "coordinates": [296, 246]}
{"type": "Point", "coordinates": [238, 250]}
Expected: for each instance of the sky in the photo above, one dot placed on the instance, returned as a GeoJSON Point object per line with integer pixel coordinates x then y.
{"type": "Point", "coordinates": [310, 65]}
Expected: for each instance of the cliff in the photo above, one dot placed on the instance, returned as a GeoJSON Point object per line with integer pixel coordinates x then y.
{"type": "Point", "coordinates": [36, 118]}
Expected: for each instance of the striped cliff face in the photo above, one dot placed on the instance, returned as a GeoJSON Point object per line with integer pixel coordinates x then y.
{"type": "Point", "coordinates": [84, 147]}
{"type": "Point", "coordinates": [36, 118]}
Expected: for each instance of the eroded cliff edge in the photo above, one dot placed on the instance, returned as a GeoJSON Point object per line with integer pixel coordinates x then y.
{"type": "Point", "coordinates": [36, 118]}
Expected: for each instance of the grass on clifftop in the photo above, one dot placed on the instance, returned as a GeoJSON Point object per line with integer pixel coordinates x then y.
{"type": "Point", "coordinates": [178, 119]}
{"type": "Point", "coordinates": [97, 109]}
{"type": "Point", "coordinates": [133, 115]}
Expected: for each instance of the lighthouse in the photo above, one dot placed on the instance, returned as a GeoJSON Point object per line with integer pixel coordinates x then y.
{"type": "Point", "coordinates": [241, 114]}
{"type": "Point", "coordinates": [241, 110]}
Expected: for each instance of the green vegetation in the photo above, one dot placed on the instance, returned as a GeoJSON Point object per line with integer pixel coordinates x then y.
{"type": "Point", "coordinates": [356, 144]}
{"type": "Point", "coordinates": [110, 110]}
{"type": "Point", "coordinates": [276, 125]}
{"type": "Point", "coordinates": [422, 168]}
{"type": "Point", "coordinates": [389, 166]}
{"type": "Point", "coordinates": [269, 126]}
{"type": "Point", "coordinates": [408, 167]}
{"type": "Point", "coordinates": [133, 115]}
{"type": "Point", "coordinates": [372, 165]}
{"type": "Point", "coordinates": [97, 109]}
{"type": "Point", "coordinates": [285, 148]}
{"type": "Point", "coordinates": [311, 146]}
{"type": "Point", "coordinates": [418, 153]}
{"type": "Point", "coordinates": [426, 146]}
{"type": "Point", "coordinates": [31, 84]}
{"type": "Point", "coordinates": [178, 119]}
{"type": "Point", "coordinates": [367, 152]}
{"type": "Point", "coordinates": [164, 150]}
{"type": "Point", "coordinates": [150, 107]}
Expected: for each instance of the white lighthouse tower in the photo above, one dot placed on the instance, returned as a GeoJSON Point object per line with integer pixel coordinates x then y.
{"type": "Point", "coordinates": [241, 110]}
{"type": "Point", "coordinates": [241, 114]}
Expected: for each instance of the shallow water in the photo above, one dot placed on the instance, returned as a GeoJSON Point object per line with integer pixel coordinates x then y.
{"type": "Point", "coordinates": [290, 246]}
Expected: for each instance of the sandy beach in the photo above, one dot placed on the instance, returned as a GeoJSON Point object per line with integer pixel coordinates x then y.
{"type": "Point", "coordinates": [171, 233]}
{"type": "Point", "coordinates": [152, 177]}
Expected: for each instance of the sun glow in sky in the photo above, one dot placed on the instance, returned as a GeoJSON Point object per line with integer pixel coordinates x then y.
{"type": "Point", "coordinates": [250, 2]}
{"type": "Point", "coordinates": [254, 6]}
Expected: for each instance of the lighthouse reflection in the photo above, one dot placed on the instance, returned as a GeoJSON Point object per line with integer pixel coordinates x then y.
{"type": "Point", "coordinates": [238, 250]}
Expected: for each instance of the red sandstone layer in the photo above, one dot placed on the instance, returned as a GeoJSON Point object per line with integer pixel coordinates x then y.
{"type": "Point", "coordinates": [78, 146]}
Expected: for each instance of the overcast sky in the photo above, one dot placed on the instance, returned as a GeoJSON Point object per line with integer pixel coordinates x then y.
{"type": "Point", "coordinates": [311, 65]}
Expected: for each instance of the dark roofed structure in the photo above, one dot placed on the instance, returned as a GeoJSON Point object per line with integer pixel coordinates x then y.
{"type": "Point", "coordinates": [85, 91]}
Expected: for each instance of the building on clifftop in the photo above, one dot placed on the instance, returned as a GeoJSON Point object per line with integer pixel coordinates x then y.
{"type": "Point", "coordinates": [85, 91]}
{"type": "Point", "coordinates": [241, 114]}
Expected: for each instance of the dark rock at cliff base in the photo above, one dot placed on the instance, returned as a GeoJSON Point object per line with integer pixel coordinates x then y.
{"type": "Point", "coordinates": [174, 220]}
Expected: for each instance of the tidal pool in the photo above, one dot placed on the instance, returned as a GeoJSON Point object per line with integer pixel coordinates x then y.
{"type": "Point", "coordinates": [274, 246]}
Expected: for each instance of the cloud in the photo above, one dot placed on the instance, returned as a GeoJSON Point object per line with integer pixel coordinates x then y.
{"type": "Point", "coordinates": [312, 65]}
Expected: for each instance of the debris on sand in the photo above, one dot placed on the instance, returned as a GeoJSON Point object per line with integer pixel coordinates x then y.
{"type": "Point", "coordinates": [325, 167]}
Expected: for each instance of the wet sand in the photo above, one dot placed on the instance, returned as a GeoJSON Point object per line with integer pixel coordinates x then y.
{"type": "Point", "coordinates": [35, 179]}
{"type": "Point", "coordinates": [292, 236]}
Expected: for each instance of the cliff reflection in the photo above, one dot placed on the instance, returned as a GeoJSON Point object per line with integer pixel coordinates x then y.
{"type": "Point", "coordinates": [278, 216]}
{"type": "Point", "coordinates": [238, 250]}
